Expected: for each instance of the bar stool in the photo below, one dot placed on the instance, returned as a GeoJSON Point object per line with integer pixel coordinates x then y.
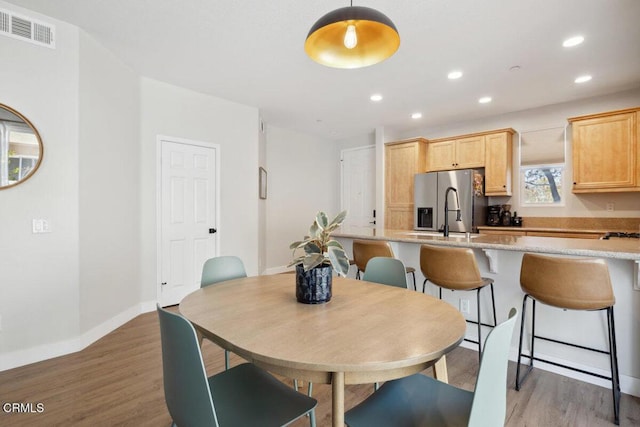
{"type": "Point", "coordinates": [456, 269]}
{"type": "Point", "coordinates": [569, 284]}
{"type": "Point", "coordinates": [364, 250]}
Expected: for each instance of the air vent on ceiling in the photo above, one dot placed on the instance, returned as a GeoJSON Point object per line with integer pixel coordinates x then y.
{"type": "Point", "coordinates": [26, 29]}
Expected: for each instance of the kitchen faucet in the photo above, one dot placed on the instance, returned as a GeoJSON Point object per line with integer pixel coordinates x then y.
{"type": "Point", "coordinates": [446, 209]}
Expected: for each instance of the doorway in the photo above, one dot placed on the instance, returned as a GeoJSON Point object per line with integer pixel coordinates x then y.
{"type": "Point", "coordinates": [188, 200]}
{"type": "Point", "coordinates": [358, 175]}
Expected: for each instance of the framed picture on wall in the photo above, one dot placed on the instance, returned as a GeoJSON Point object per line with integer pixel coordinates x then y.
{"type": "Point", "coordinates": [263, 183]}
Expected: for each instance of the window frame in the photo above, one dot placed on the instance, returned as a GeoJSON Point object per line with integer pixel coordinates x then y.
{"type": "Point", "coordinates": [560, 165]}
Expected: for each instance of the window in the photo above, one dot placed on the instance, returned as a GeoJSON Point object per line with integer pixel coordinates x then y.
{"type": "Point", "coordinates": [20, 166]}
{"type": "Point", "coordinates": [542, 167]}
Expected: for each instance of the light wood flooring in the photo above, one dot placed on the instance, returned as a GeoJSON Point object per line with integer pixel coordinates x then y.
{"type": "Point", "coordinates": [117, 381]}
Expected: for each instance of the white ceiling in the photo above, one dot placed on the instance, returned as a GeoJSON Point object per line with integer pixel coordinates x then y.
{"type": "Point", "coordinates": [252, 52]}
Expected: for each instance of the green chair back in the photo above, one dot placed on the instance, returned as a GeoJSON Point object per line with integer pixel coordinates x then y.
{"type": "Point", "coordinates": [186, 388]}
{"type": "Point", "coordinates": [490, 395]}
{"type": "Point", "coordinates": [222, 268]}
{"type": "Point", "coordinates": [388, 271]}
{"type": "Point", "coordinates": [419, 400]}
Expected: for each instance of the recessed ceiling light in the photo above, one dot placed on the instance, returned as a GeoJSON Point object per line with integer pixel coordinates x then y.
{"type": "Point", "coordinates": [454, 75]}
{"type": "Point", "coordinates": [485, 100]}
{"type": "Point", "coordinates": [376, 97]}
{"type": "Point", "coordinates": [573, 41]}
{"type": "Point", "coordinates": [582, 79]}
{"type": "Point", "coordinates": [416, 115]}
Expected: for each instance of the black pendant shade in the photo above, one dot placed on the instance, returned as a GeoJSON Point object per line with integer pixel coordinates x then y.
{"type": "Point", "coordinates": [374, 38]}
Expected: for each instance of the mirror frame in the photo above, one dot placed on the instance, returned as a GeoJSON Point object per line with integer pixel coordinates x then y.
{"type": "Point", "coordinates": [37, 134]}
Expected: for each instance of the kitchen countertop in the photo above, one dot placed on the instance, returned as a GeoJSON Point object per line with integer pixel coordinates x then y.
{"type": "Point", "coordinates": [614, 248]}
{"type": "Point", "coordinates": [545, 229]}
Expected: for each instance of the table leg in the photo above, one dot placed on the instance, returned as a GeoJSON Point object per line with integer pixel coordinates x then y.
{"type": "Point", "coordinates": [440, 370]}
{"type": "Point", "coordinates": [337, 391]}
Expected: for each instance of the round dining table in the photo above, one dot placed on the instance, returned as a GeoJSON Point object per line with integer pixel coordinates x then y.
{"type": "Point", "coordinates": [366, 333]}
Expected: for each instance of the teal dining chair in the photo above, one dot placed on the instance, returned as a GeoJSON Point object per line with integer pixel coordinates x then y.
{"type": "Point", "coordinates": [419, 400]}
{"type": "Point", "coordinates": [244, 395]}
{"type": "Point", "coordinates": [220, 269]}
{"type": "Point", "coordinates": [387, 271]}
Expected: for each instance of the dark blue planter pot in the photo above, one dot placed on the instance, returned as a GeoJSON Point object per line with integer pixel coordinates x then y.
{"type": "Point", "coordinates": [313, 286]}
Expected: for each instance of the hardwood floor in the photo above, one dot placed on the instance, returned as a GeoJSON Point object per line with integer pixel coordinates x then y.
{"type": "Point", "coordinates": [118, 381]}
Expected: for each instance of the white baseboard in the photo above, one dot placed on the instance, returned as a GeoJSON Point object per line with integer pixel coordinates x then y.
{"type": "Point", "coordinates": [628, 385]}
{"type": "Point", "coordinates": [48, 351]}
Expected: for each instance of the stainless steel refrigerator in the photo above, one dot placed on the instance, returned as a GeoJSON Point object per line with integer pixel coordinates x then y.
{"type": "Point", "coordinates": [429, 200]}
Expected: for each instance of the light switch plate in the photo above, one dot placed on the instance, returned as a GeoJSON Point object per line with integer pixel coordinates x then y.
{"type": "Point", "coordinates": [40, 226]}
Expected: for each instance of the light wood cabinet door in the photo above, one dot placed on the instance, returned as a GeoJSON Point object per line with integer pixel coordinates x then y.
{"type": "Point", "coordinates": [399, 218]}
{"type": "Point", "coordinates": [403, 160]}
{"type": "Point", "coordinates": [498, 159]}
{"type": "Point", "coordinates": [605, 152]}
{"type": "Point", "coordinates": [441, 156]}
{"type": "Point", "coordinates": [470, 152]}
{"type": "Point", "coordinates": [464, 153]}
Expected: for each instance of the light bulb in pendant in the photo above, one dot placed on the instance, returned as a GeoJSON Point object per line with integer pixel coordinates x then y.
{"type": "Point", "coordinates": [350, 37]}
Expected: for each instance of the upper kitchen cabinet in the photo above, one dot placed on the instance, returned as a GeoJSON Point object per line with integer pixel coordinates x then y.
{"type": "Point", "coordinates": [460, 153]}
{"type": "Point", "coordinates": [403, 159]}
{"type": "Point", "coordinates": [498, 159]}
{"type": "Point", "coordinates": [605, 152]}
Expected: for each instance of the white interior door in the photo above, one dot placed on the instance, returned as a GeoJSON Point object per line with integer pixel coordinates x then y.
{"type": "Point", "coordinates": [187, 216]}
{"type": "Point", "coordinates": [358, 185]}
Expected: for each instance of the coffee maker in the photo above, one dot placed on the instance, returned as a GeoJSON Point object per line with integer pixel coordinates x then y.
{"type": "Point", "coordinates": [493, 217]}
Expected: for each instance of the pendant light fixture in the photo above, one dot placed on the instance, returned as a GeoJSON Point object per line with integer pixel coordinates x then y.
{"type": "Point", "coordinates": [352, 37]}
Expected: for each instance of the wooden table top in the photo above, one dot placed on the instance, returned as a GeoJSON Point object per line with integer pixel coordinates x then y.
{"type": "Point", "coordinates": [366, 327]}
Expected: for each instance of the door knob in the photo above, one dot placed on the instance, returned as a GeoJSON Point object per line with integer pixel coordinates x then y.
{"type": "Point", "coordinates": [212, 231]}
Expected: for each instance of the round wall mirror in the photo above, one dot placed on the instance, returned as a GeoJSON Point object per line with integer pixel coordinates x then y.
{"type": "Point", "coordinates": [20, 148]}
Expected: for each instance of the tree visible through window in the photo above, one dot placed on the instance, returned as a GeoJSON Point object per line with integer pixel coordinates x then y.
{"type": "Point", "coordinates": [542, 184]}
{"type": "Point", "coordinates": [542, 163]}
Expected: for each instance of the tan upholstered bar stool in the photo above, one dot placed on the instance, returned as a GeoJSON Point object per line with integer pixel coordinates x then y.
{"type": "Point", "coordinates": [364, 250]}
{"type": "Point", "coordinates": [571, 284]}
{"type": "Point", "coordinates": [456, 269]}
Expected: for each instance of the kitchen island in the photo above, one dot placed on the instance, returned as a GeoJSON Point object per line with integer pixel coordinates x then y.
{"type": "Point", "coordinates": [500, 256]}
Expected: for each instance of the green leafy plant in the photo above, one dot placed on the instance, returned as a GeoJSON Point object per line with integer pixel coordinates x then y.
{"type": "Point", "coordinates": [319, 248]}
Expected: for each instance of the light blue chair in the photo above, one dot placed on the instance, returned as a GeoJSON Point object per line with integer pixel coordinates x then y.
{"type": "Point", "coordinates": [220, 269]}
{"type": "Point", "coordinates": [244, 395]}
{"type": "Point", "coordinates": [387, 271]}
{"type": "Point", "coordinates": [419, 400]}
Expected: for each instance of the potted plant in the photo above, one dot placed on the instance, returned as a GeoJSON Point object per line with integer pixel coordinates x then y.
{"type": "Point", "coordinates": [322, 255]}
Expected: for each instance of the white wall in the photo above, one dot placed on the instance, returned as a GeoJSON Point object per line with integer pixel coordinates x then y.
{"type": "Point", "coordinates": [39, 288]}
{"type": "Point", "coordinates": [304, 178]}
{"type": "Point", "coordinates": [108, 187]}
{"type": "Point", "coordinates": [172, 111]}
{"type": "Point", "coordinates": [585, 205]}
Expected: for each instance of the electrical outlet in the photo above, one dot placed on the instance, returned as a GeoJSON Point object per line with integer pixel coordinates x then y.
{"type": "Point", "coordinates": [464, 306]}
{"type": "Point", "coordinates": [610, 207]}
